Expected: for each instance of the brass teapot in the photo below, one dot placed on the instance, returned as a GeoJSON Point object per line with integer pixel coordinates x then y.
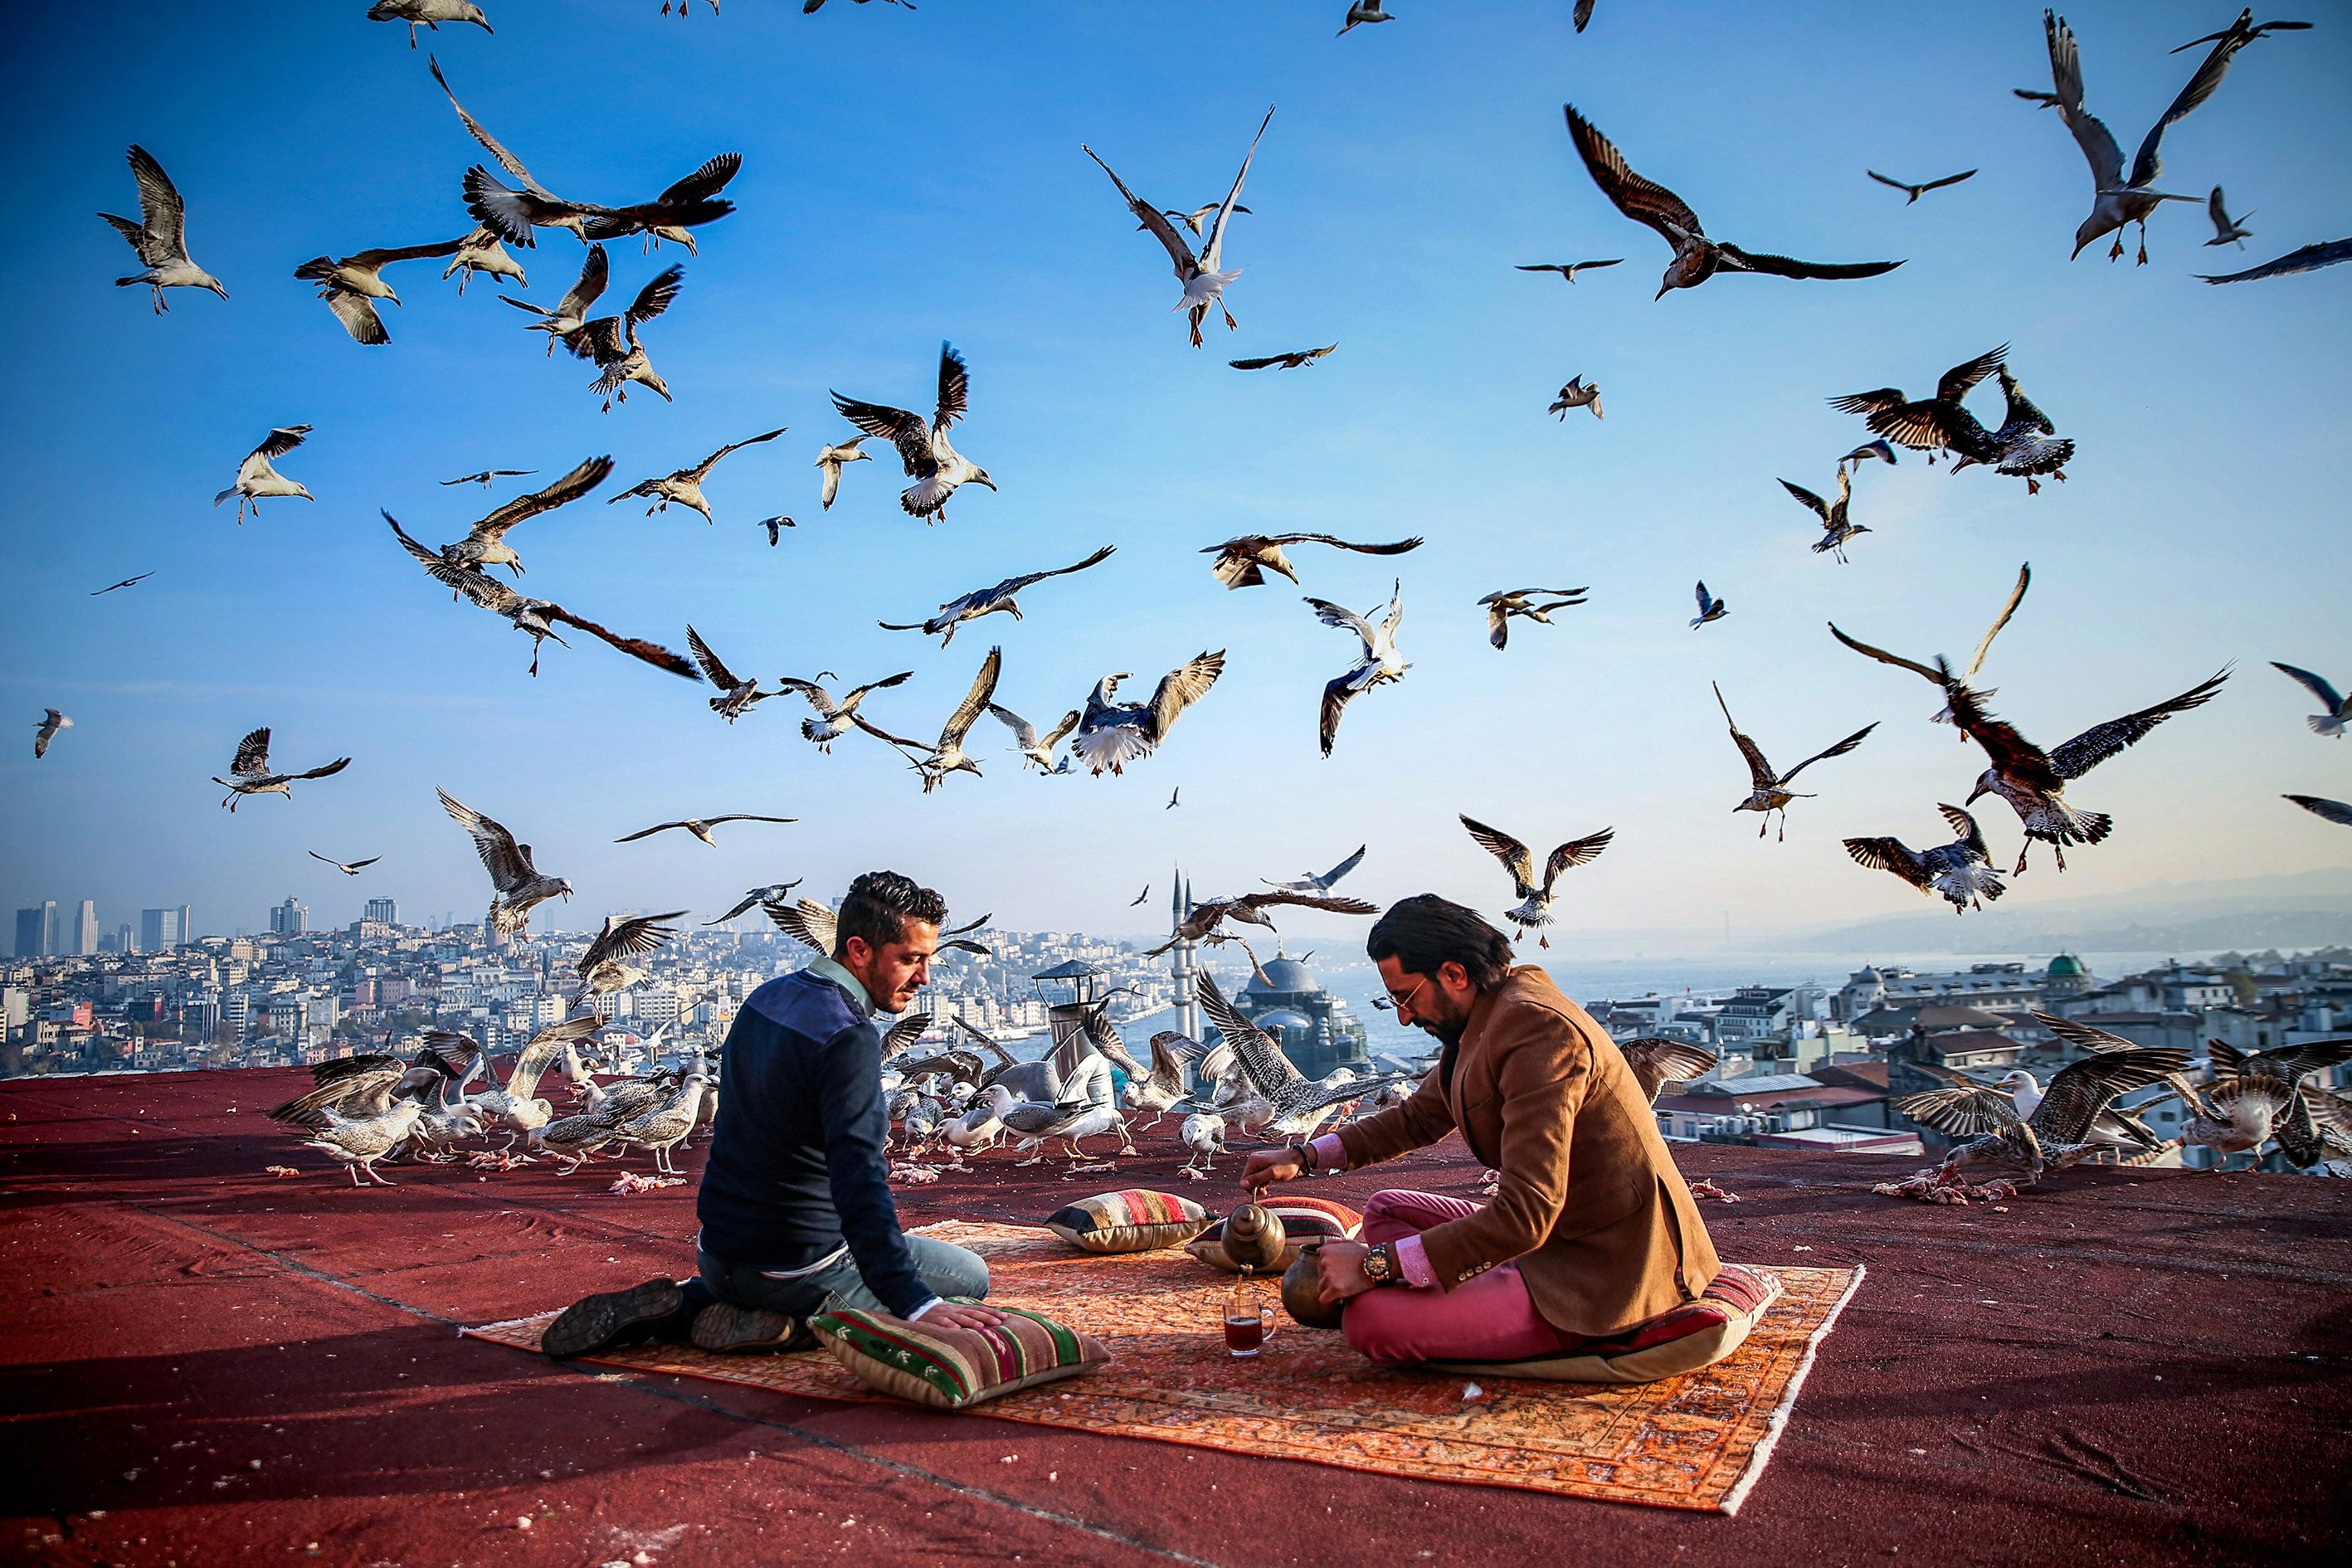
{"type": "Point", "coordinates": [1254, 1238]}
{"type": "Point", "coordinates": [1302, 1292]}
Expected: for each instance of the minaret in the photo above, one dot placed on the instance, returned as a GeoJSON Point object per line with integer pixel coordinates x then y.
{"type": "Point", "coordinates": [1185, 970]}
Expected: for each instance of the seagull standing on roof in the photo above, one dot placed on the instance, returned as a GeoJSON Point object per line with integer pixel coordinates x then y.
{"type": "Point", "coordinates": [570, 317]}
{"type": "Point", "coordinates": [685, 486]}
{"type": "Point", "coordinates": [603, 968]}
{"type": "Point", "coordinates": [1035, 749]}
{"type": "Point", "coordinates": [989, 601]}
{"type": "Point", "coordinates": [830, 459]}
{"type": "Point", "coordinates": [160, 238]}
{"type": "Point", "coordinates": [350, 284]}
{"type": "Point", "coordinates": [1962, 871]}
{"type": "Point", "coordinates": [2338, 710]}
{"type": "Point", "coordinates": [255, 478]}
{"type": "Point", "coordinates": [2060, 1130]}
{"type": "Point", "coordinates": [1576, 394]}
{"type": "Point", "coordinates": [947, 756]}
{"type": "Point", "coordinates": [250, 774]}
{"type": "Point", "coordinates": [1379, 665]}
{"type": "Point", "coordinates": [1111, 735]}
{"type": "Point", "coordinates": [1243, 560]}
{"type": "Point", "coordinates": [1835, 529]}
{"type": "Point", "coordinates": [47, 731]}
{"type": "Point", "coordinates": [1710, 608]}
{"type": "Point", "coordinates": [937, 470]}
{"type": "Point", "coordinates": [1696, 257]}
{"type": "Point", "coordinates": [517, 886]}
{"type": "Point", "coordinates": [1502, 606]}
{"type": "Point", "coordinates": [1311, 883]}
{"type": "Point", "coordinates": [1918, 191]}
{"type": "Point", "coordinates": [1769, 790]}
{"type": "Point", "coordinates": [1205, 285]}
{"type": "Point", "coordinates": [1535, 909]}
{"type": "Point", "coordinates": [834, 717]}
{"type": "Point", "coordinates": [1941, 675]}
{"type": "Point", "coordinates": [485, 544]}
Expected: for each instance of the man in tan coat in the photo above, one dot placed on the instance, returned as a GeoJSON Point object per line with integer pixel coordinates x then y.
{"type": "Point", "coordinates": [1592, 1243]}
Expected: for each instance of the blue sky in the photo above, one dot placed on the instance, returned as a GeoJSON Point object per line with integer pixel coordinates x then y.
{"type": "Point", "coordinates": [913, 177]}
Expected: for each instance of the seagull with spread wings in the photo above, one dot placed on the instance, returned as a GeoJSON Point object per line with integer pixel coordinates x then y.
{"type": "Point", "coordinates": [1205, 285]}
{"type": "Point", "coordinates": [1034, 748]}
{"type": "Point", "coordinates": [352, 869]}
{"type": "Point", "coordinates": [603, 968]}
{"type": "Point", "coordinates": [2024, 447]}
{"type": "Point", "coordinates": [937, 470]}
{"type": "Point", "coordinates": [1568, 269]}
{"type": "Point", "coordinates": [484, 478]}
{"type": "Point", "coordinates": [1501, 607]}
{"type": "Point", "coordinates": [250, 774]}
{"type": "Point", "coordinates": [671, 215]}
{"type": "Point", "coordinates": [1311, 883]}
{"type": "Point", "coordinates": [160, 238]}
{"type": "Point", "coordinates": [1835, 528]}
{"type": "Point", "coordinates": [1710, 608]}
{"type": "Point", "coordinates": [772, 893]}
{"type": "Point", "coordinates": [1243, 560]}
{"type": "Point", "coordinates": [947, 756]}
{"type": "Point", "coordinates": [1960, 871]}
{"type": "Point", "coordinates": [1298, 1104]}
{"type": "Point", "coordinates": [2338, 709]}
{"type": "Point", "coordinates": [701, 827]}
{"type": "Point", "coordinates": [2033, 781]}
{"type": "Point", "coordinates": [1769, 789]}
{"type": "Point", "coordinates": [1201, 923]}
{"type": "Point", "coordinates": [2060, 1130]}
{"type": "Point", "coordinates": [568, 321]}
{"type": "Point", "coordinates": [485, 544]}
{"type": "Point", "coordinates": [539, 618]}
{"type": "Point", "coordinates": [431, 13]}
{"type": "Point", "coordinates": [1918, 191]}
{"type": "Point", "coordinates": [612, 341]}
{"type": "Point", "coordinates": [736, 697]}
{"type": "Point", "coordinates": [1111, 735]}
{"type": "Point", "coordinates": [126, 582]}
{"type": "Point", "coordinates": [516, 885]}
{"type": "Point", "coordinates": [830, 459]}
{"type": "Point", "coordinates": [989, 601]}
{"type": "Point", "coordinates": [1867, 450]}
{"type": "Point", "coordinates": [1379, 665]}
{"type": "Point", "coordinates": [480, 251]}
{"type": "Point", "coordinates": [1362, 12]}
{"type": "Point", "coordinates": [1696, 257]}
{"type": "Point", "coordinates": [685, 486]}
{"type": "Point", "coordinates": [2310, 259]}
{"type": "Point", "coordinates": [351, 284]}
{"type": "Point", "coordinates": [2227, 230]}
{"type": "Point", "coordinates": [1535, 901]}
{"type": "Point", "coordinates": [255, 478]}
{"type": "Point", "coordinates": [1941, 675]}
{"type": "Point", "coordinates": [1655, 1062]}
{"type": "Point", "coordinates": [1577, 395]}
{"type": "Point", "coordinates": [835, 717]}
{"type": "Point", "coordinates": [810, 923]}
{"type": "Point", "coordinates": [1290, 361]}
{"type": "Point", "coordinates": [45, 730]}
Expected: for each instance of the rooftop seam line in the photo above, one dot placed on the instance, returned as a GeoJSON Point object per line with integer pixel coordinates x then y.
{"type": "Point", "coordinates": [301, 1268]}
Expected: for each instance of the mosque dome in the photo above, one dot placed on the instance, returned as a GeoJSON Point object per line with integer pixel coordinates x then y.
{"type": "Point", "coordinates": [2066, 966]}
{"type": "Point", "coordinates": [1284, 976]}
{"type": "Point", "coordinates": [1282, 1020]}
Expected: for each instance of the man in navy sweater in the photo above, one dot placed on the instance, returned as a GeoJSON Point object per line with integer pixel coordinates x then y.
{"type": "Point", "coordinates": [795, 1203]}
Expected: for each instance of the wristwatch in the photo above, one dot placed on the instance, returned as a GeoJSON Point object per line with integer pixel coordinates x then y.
{"type": "Point", "coordinates": [1379, 1265]}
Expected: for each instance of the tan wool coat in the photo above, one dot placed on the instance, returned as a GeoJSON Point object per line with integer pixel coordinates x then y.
{"type": "Point", "coordinates": [1590, 1207]}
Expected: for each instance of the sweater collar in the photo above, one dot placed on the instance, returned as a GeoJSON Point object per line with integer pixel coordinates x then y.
{"type": "Point", "coordinates": [826, 969]}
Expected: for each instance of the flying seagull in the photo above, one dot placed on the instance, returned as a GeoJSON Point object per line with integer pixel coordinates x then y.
{"type": "Point", "coordinates": [486, 476]}
{"type": "Point", "coordinates": [539, 618]}
{"type": "Point", "coordinates": [772, 893]}
{"type": "Point", "coordinates": [2059, 1132]}
{"type": "Point", "coordinates": [568, 321]}
{"type": "Point", "coordinates": [1034, 748]}
{"type": "Point", "coordinates": [2327, 810]}
{"type": "Point", "coordinates": [1962, 871]}
{"type": "Point", "coordinates": [126, 582]}
{"type": "Point", "coordinates": [1111, 736]}
{"type": "Point", "coordinates": [1583, 13]}
{"type": "Point", "coordinates": [1290, 361]}
{"type": "Point", "coordinates": [834, 717]}
{"type": "Point", "coordinates": [2226, 229]}
{"type": "Point", "coordinates": [947, 756]}
{"type": "Point", "coordinates": [2021, 448]}
{"type": "Point", "coordinates": [1576, 394]}
{"type": "Point", "coordinates": [1918, 191]}
{"type": "Point", "coordinates": [685, 486]}
{"type": "Point", "coordinates": [603, 968]}
{"type": "Point", "coordinates": [670, 216]}
{"type": "Point", "coordinates": [1142, 896]}
{"type": "Point", "coordinates": [485, 544]}
{"type": "Point", "coordinates": [1311, 883]}
{"type": "Point", "coordinates": [2310, 259]}
{"type": "Point", "coordinates": [250, 773]}
{"type": "Point", "coordinates": [517, 886]}
{"type": "Point", "coordinates": [736, 696]}
{"type": "Point", "coordinates": [1243, 560]}
{"type": "Point", "coordinates": [1379, 664]}
{"type": "Point", "coordinates": [937, 470]}
{"type": "Point", "coordinates": [1205, 285]}
{"type": "Point", "coordinates": [161, 236]}
{"type": "Point", "coordinates": [47, 731]}
{"type": "Point", "coordinates": [1696, 257]}
{"type": "Point", "coordinates": [255, 477]}
{"type": "Point", "coordinates": [1867, 450]}
{"type": "Point", "coordinates": [772, 525]}
{"type": "Point", "coordinates": [1835, 529]}
{"type": "Point", "coordinates": [2330, 723]}
{"type": "Point", "coordinates": [810, 923]}
{"type": "Point", "coordinates": [480, 251]}
{"type": "Point", "coordinates": [350, 870]}
{"type": "Point", "coordinates": [1941, 675]}
{"type": "Point", "coordinates": [1201, 922]}
{"type": "Point", "coordinates": [1193, 219]}
{"type": "Point", "coordinates": [1710, 608]}
{"type": "Point", "coordinates": [350, 285]}
{"type": "Point", "coordinates": [701, 827]}
{"type": "Point", "coordinates": [1769, 790]}
{"type": "Point", "coordinates": [830, 459]}
{"type": "Point", "coordinates": [1296, 1103]}
{"type": "Point", "coordinates": [1362, 12]}
{"type": "Point", "coordinates": [1502, 606]}
{"type": "Point", "coordinates": [1535, 908]}
{"type": "Point", "coordinates": [432, 13]}
{"type": "Point", "coordinates": [1172, 798]}
{"type": "Point", "coordinates": [989, 601]}
{"type": "Point", "coordinates": [2033, 781]}
{"type": "Point", "coordinates": [612, 341]}
{"type": "Point", "coordinates": [1568, 269]}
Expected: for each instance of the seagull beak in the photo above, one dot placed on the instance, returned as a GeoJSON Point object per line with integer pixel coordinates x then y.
{"type": "Point", "coordinates": [983, 479]}
{"type": "Point", "coordinates": [1974, 796]}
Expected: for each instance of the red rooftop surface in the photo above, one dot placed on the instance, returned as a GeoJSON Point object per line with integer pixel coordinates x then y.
{"type": "Point", "coordinates": [209, 1365]}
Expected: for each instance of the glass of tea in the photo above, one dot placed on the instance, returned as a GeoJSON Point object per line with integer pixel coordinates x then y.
{"type": "Point", "coordinates": [1243, 1318]}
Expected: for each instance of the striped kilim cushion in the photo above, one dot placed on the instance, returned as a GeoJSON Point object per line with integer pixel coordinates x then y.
{"type": "Point", "coordinates": [1695, 1334]}
{"type": "Point", "coordinates": [1304, 1220]}
{"type": "Point", "coordinates": [954, 1369]}
{"type": "Point", "coordinates": [1136, 1220]}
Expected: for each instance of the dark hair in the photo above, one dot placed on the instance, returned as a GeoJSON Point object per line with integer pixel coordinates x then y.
{"type": "Point", "coordinates": [1425, 932]}
{"type": "Point", "coordinates": [878, 907]}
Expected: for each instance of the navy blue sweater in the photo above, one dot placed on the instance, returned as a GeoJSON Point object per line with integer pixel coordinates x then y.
{"type": "Point", "coordinates": [797, 1165]}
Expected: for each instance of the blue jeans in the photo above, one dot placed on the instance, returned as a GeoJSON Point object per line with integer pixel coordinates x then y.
{"type": "Point", "coordinates": [946, 1268]}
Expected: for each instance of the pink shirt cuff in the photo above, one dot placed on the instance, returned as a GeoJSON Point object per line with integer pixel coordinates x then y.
{"type": "Point", "coordinates": [1413, 1261]}
{"type": "Point", "coordinates": [1330, 1155]}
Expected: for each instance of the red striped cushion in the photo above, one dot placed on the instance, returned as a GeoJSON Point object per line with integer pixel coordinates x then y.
{"type": "Point", "coordinates": [1136, 1220]}
{"type": "Point", "coordinates": [954, 1369]}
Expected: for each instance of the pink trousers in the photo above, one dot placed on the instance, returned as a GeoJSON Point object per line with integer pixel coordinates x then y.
{"type": "Point", "coordinates": [1490, 1317]}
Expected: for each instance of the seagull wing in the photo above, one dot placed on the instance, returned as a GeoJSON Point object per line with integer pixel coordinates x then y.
{"type": "Point", "coordinates": [628, 938]}
{"type": "Point", "coordinates": [2091, 134]}
{"type": "Point", "coordinates": [1214, 248]}
{"type": "Point", "coordinates": [1961, 379]}
{"type": "Point", "coordinates": [2016, 597]}
{"type": "Point", "coordinates": [702, 470]}
{"type": "Point", "coordinates": [1790, 266]}
{"type": "Point", "coordinates": [331, 768]}
{"type": "Point", "coordinates": [1882, 656]}
{"type": "Point", "coordinates": [162, 216]}
{"type": "Point", "coordinates": [1966, 831]}
{"type": "Point", "coordinates": [2150, 162]}
{"type": "Point", "coordinates": [1962, 1111]}
{"type": "Point", "coordinates": [1069, 722]}
{"type": "Point", "coordinates": [1758, 770]}
{"type": "Point", "coordinates": [1307, 901]}
{"type": "Point", "coordinates": [2074, 1032]}
{"type": "Point", "coordinates": [1025, 733]}
{"type": "Point", "coordinates": [901, 427]}
{"type": "Point", "coordinates": [2079, 1093]}
{"type": "Point", "coordinates": [955, 390]}
{"type": "Point", "coordinates": [2334, 811]}
{"type": "Point", "coordinates": [568, 488]}
{"type": "Point", "coordinates": [704, 182]}
{"type": "Point", "coordinates": [1344, 866]}
{"type": "Point", "coordinates": [1642, 200]}
{"type": "Point", "coordinates": [1180, 687]}
{"type": "Point", "coordinates": [282, 440]}
{"type": "Point", "coordinates": [2329, 698]}
{"type": "Point", "coordinates": [2019, 411]}
{"type": "Point", "coordinates": [1949, 180]}
{"type": "Point", "coordinates": [1345, 619]}
{"type": "Point", "coordinates": [656, 296]}
{"type": "Point", "coordinates": [1513, 854]}
{"type": "Point", "coordinates": [1574, 853]}
{"type": "Point", "coordinates": [1179, 252]}
{"type": "Point", "coordinates": [357, 313]}
{"type": "Point", "coordinates": [369, 260]}
{"type": "Point", "coordinates": [903, 1034]}
{"type": "Point", "coordinates": [653, 653]}
{"type": "Point", "coordinates": [718, 674]}
{"type": "Point", "coordinates": [983, 686]}
{"type": "Point", "coordinates": [1259, 1058]}
{"type": "Point", "coordinates": [805, 921]}
{"type": "Point", "coordinates": [464, 579]}
{"type": "Point", "coordinates": [852, 698]}
{"type": "Point", "coordinates": [252, 754]}
{"type": "Point", "coordinates": [1013, 585]}
{"type": "Point", "coordinates": [506, 161]}
{"type": "Point", "coordinates": [1257, 363]}
{"type": "Point", "coordinates": [1840, 749]}
{"type": "Point", "coordinates": [508, 866]}
{"type": "Point", "coordinates": [594, 274]}
{"type": "Point", "coordinates": [1821, 507]}
{"type": "Point", "coordinates": [1399, 548]}
{"type": "Point", "coordinates": [2310, 258]}
{"type": "Point", "coordinates": [1889, 854]}
{"type": "Point", "coordinates": [1656, 1063]}
{"type": "Point", "coordinates": [2093, 746]}
{"type": "Point", "coordinates": [2012, 753]}
{"type": "Point", "coordinates": [647, 832]}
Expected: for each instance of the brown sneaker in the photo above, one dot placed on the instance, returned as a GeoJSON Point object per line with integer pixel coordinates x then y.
{"type": "Point", "coordinates": [726, 1330]}
{"type": "Point", "coordinates": [599, 1322]}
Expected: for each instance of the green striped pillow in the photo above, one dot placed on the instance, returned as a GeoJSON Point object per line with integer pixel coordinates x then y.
{"type": "Point", "coordinates": [954, 1369]}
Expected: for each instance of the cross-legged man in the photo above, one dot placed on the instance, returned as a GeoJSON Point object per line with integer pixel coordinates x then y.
{"type": "Point", "coordinates": [1591, 1242]}
{"type": "Point", "coordinates": [795, 1203]}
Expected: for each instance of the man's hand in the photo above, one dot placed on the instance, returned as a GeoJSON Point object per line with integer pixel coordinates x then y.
{"type": "Point", "coordinates": [1340, 1270]}
{"type": "Point", "coordinates": [1271, 1165]}
{"type": "Point", "coordinates": [954, 1315]}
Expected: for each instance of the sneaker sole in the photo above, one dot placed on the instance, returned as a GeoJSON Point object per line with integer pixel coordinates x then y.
{"type": "Point", "coordinates": [593, 1323]}
{"type": "Point", "coordinates": [725, 1330]}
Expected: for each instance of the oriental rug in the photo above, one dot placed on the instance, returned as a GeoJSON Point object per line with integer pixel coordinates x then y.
{"type": "Point", "coordinates": [1698, 1441]}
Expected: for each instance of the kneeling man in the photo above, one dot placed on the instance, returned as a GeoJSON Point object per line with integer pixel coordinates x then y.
{"type": "Point", "coordinates": [1592, 1239]}
{"type": "Point", "coordinates": [794, 1203]}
